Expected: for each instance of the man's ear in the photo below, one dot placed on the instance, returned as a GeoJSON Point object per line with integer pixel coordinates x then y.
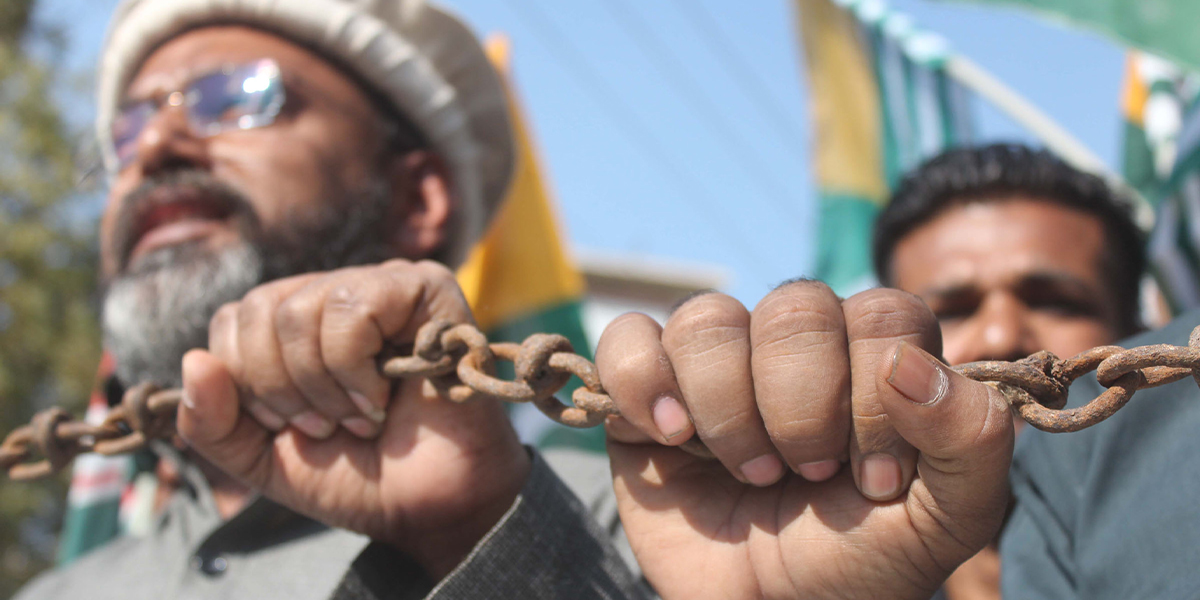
{"type": "Point", "coordinates": [423, 204]}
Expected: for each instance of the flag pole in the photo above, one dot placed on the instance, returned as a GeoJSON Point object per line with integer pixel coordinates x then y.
{"type": "Point", "coordinates": [1057, 139]}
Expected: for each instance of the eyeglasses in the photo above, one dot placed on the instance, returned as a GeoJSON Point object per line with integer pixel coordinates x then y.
{"type": "Point", "coordinates": [233, 97]}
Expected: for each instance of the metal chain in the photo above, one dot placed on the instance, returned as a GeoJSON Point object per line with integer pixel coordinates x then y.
{"type": "Point", "coordinates": [1037, 385]}
{"type": "Point", "coordinates": [459, 364]}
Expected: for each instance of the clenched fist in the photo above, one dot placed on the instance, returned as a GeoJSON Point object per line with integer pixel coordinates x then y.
{"type": "Point", "coordinates": [289, 399]}
{"type": "Point", "coordinates": [851, 463]}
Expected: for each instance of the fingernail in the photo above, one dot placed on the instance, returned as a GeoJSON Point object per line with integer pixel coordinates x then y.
{"type": "Point", "coordinates": [818, 471]}
{"type": "Point", "coordinates": [267, 417]}
{"type": "Point", "coordinates": [670, 417]}
{"type": "Point", "coordinates": [916, 376]}
{"type": "Point", "coordinates": [372, 412]}
{"type": "Point", "coordinates": [880, 475]}
{"type": "Point", "coordinates": [313, 424]}
{"type": "Point", "coordinates": [187, 401]}
{"type": "Point", "coordinates": [762, 471]}
{"type": "Point", "coordinates": [361, 427]}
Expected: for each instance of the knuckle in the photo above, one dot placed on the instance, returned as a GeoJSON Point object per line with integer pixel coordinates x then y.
{"type": "Point", "coordinates": [345, 297]}
{"type": "Point", "coordinates": [224, 315]}
{"type": "Point", "coordinates": [270, 386]}
{"type": "Point", "coordinates": [882, 313]}
{"type": "Point", "coordinates": [257, 302]}
{"type": "Point", "coordinates": [814, 286]}
{"type": "Point", "coordinates": [640, 364]}
{"type": "Point", "coordinates": [629, 323]}
{"type": "Point", "coordinates": [798, 330]}
{"type": "Point", "coordinates": [711, 313]}
{"type": "Point", "coordinates": [345, 352]}
{"type": "Point", "coordinates": [434, 270]}
{"type": "Point", "coordinates": [219, 326]}
{"type": "Point", "coordinates": [815, 432]}
{"type": "Point", "coordinates": [399, 264]}
{"type": "Point", "coordinates": [727, 428]}
{"type": "Point", "coordinates": [801, 447]}
{"type": "Point", "coordinates": [873, 431]}
{"type": "Point", "coordinates": [680, 303]}
{"type": "Point", "coordinates": [784, 315]}
{"type": "Point", "coordinates": [996, 422]}
{"type": "Point", "coordinates": [631, 319]}
{"type": "Point", "coordinates": [294, 316]}
{"type": "Point", "coordinates": [869, 414]}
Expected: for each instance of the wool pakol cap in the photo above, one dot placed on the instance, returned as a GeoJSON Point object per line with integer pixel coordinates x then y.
{"type": "Point", "coordinates": [414, 53]}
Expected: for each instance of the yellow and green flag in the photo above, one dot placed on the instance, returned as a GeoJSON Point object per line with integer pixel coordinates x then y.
{"type": "Point", "coordinates": [520, 279]}
{"type": "Point", "coordinates": [881, 104]}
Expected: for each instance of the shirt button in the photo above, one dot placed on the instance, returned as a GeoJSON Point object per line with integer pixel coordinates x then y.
{"type": "Point", "coordinates": [210, 565]}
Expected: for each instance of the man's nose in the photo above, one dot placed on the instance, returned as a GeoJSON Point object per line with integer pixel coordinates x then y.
{"type": "Point", "coordinates": [1001, 331]}
{"type": "Point", "coordinates": [167, 142]}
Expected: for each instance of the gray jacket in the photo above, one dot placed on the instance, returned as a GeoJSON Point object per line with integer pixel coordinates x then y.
{"type": "Point", "coordinates": [549, 544]}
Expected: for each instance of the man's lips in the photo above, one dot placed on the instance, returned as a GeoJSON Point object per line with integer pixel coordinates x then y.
{"type": "Point", "coordinates": [173, 233]}
{"type": "Point", "coordinates": [185, 215]}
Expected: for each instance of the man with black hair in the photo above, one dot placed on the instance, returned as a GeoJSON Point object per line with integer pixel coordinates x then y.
{"type": "Point", "coordinates": [1015, 251]}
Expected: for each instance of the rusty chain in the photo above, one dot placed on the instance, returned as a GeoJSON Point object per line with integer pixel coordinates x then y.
{"type": "Point", "coordinates": [459, 364]}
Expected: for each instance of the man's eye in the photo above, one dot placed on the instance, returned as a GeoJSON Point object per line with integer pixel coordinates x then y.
{"type": "Point", "coordinates": [1066, 307]}
{"type": "Point", "coordinates": [953, 313]}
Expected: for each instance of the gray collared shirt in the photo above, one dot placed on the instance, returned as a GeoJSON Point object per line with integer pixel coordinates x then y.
{"type": "Point", "coordinates": [1110, 512]}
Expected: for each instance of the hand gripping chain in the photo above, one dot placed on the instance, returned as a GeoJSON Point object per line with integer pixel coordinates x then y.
{"type": "Point", "coordinates": [459, 364]}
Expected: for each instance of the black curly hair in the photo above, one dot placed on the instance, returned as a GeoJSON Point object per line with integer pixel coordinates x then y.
{"type": "Point", "coordinates": [996, 172]}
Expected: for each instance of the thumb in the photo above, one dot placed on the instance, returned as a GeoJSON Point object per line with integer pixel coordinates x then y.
{"type": "Point", "coordinates": [964, 432]}
{"type": "Point", "coordinates": [213, 423]}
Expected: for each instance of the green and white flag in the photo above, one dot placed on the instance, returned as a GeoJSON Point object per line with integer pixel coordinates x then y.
{"type": "Point", "coordinates": [1164, 27]}
{"type": "Point", "coordinates": [1155, 95]}
{"type": "Point", "coordinates": [1161, 135]}
{"type": "Point", "coordinates": [882, 104]}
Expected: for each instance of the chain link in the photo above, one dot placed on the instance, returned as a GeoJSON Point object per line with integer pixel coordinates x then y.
{"type": "Point", "coordinates": [459, 364]}
{"type": "Point", "coordinates": [1037, 385]}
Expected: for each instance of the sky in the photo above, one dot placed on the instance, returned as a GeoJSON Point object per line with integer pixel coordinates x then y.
{"type": "Point", "coordinates": [678, 129]}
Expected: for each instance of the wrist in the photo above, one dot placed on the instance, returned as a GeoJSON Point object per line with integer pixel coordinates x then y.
{"type": "Point", "coordinates": [440, 549]}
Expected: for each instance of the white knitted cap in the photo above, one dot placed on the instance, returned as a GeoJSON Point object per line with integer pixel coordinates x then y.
{"type": "Point", "coordinates": [418, 55]}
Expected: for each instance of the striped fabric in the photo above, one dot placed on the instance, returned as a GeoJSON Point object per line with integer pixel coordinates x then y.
{"type": "Point", "coordinates": [882, 104]}
{"type": "Point", "coordinates": [924, 111]}
{"type": "Point", "coordinates": [1174, 249]}
{"type": "Point", "coordinates": [1162, 161]}
{"type": "Point", "coordinates": [99, 500]}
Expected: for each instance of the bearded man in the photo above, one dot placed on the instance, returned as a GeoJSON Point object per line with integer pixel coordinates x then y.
{"type": "Point", "coordinates": [274, 168]}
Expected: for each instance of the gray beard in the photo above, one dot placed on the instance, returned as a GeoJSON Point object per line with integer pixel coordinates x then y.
{"type": "Point", "coordinates": [152, 319]}
{"type": "Point", "coordinates": [160, 309]}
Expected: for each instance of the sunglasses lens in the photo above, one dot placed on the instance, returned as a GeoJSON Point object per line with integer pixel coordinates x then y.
{"type": "Point", "coordinates": [244, 97]}
{"type": "Point", "coordinates": [127, 127]}
{"type": "Point", "coordinates": [241, 97]}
